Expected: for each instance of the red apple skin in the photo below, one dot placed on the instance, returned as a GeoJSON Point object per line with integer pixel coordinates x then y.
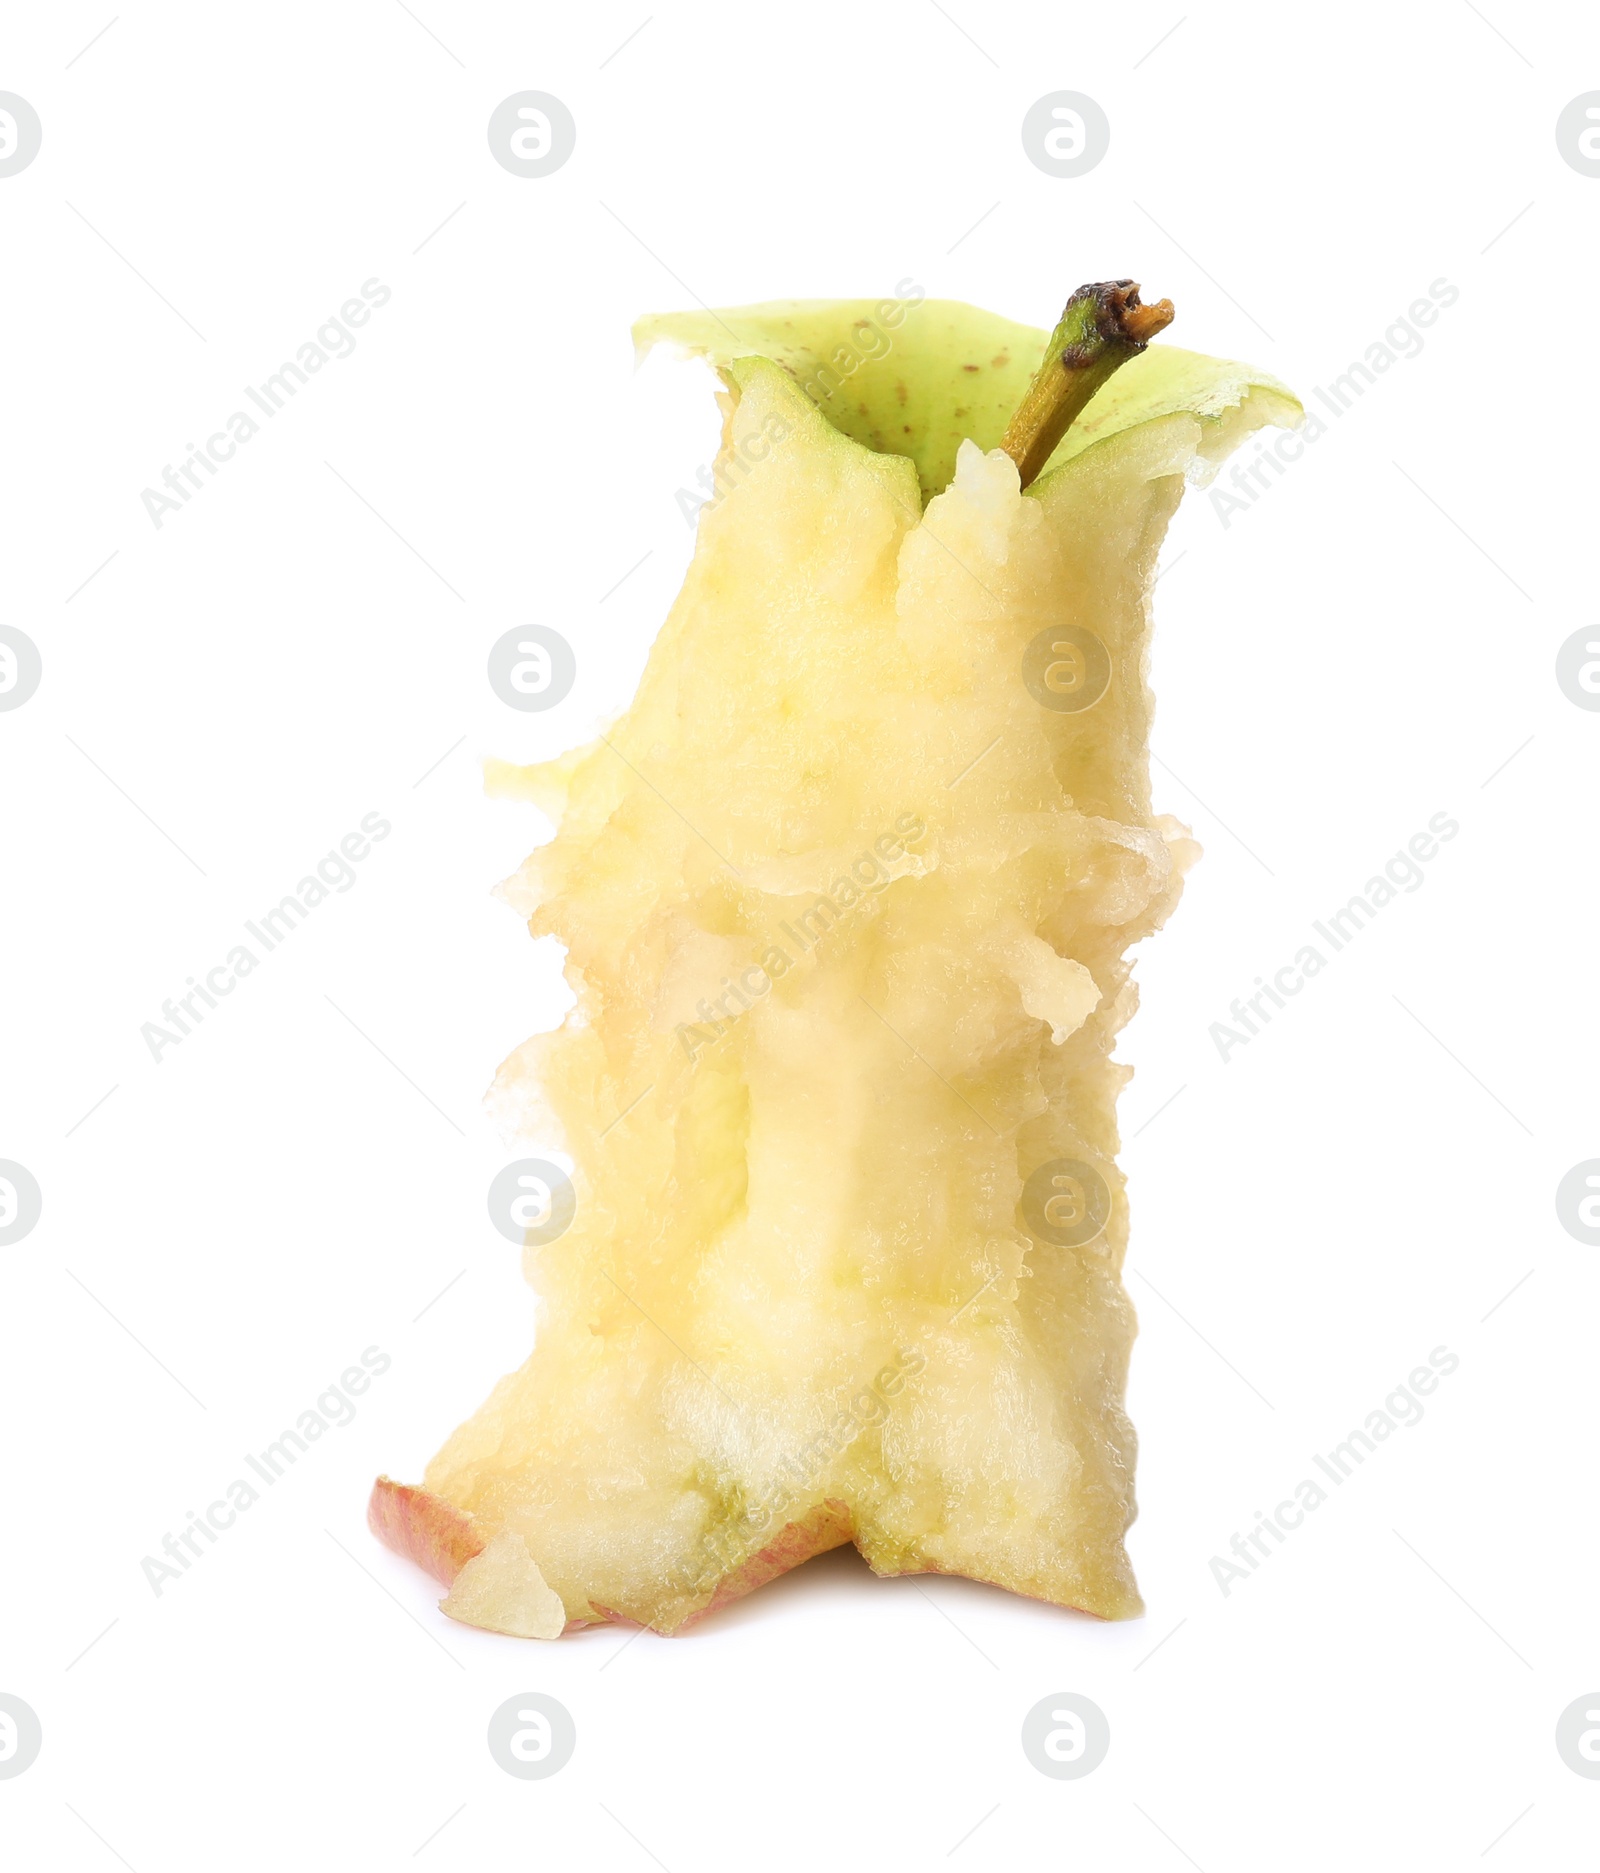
{"type": "Point", "coordinates": [423, 1528]}
{"type": "Point", "coordinates": [441, 1539]}
{"type": "Point", "coordinates": [829, 1525]}
{"type": "Point", "coordinates": [1039, 1599]}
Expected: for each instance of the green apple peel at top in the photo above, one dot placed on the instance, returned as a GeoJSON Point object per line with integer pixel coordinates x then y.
{"type": "Point", "coordinates": [850, 1269]}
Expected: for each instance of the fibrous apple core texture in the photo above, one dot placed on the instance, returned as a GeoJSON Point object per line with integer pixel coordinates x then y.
{"type": "Point", "coordinates": [846, 899]}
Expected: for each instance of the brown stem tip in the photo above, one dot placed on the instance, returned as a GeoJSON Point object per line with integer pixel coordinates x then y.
{"type": "Point", "coordinates": [1121, 314]}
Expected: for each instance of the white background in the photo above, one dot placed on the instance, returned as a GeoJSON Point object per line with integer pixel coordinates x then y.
{"type": "Point", "coordinates": [1372, 643]}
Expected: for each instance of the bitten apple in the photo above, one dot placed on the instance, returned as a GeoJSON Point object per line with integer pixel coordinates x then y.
{"type": "Point", "coordinates": [846, 899]}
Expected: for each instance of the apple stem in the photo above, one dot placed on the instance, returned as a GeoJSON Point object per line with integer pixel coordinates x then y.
{"type": "Point", "coordinates": [1101, 327]}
